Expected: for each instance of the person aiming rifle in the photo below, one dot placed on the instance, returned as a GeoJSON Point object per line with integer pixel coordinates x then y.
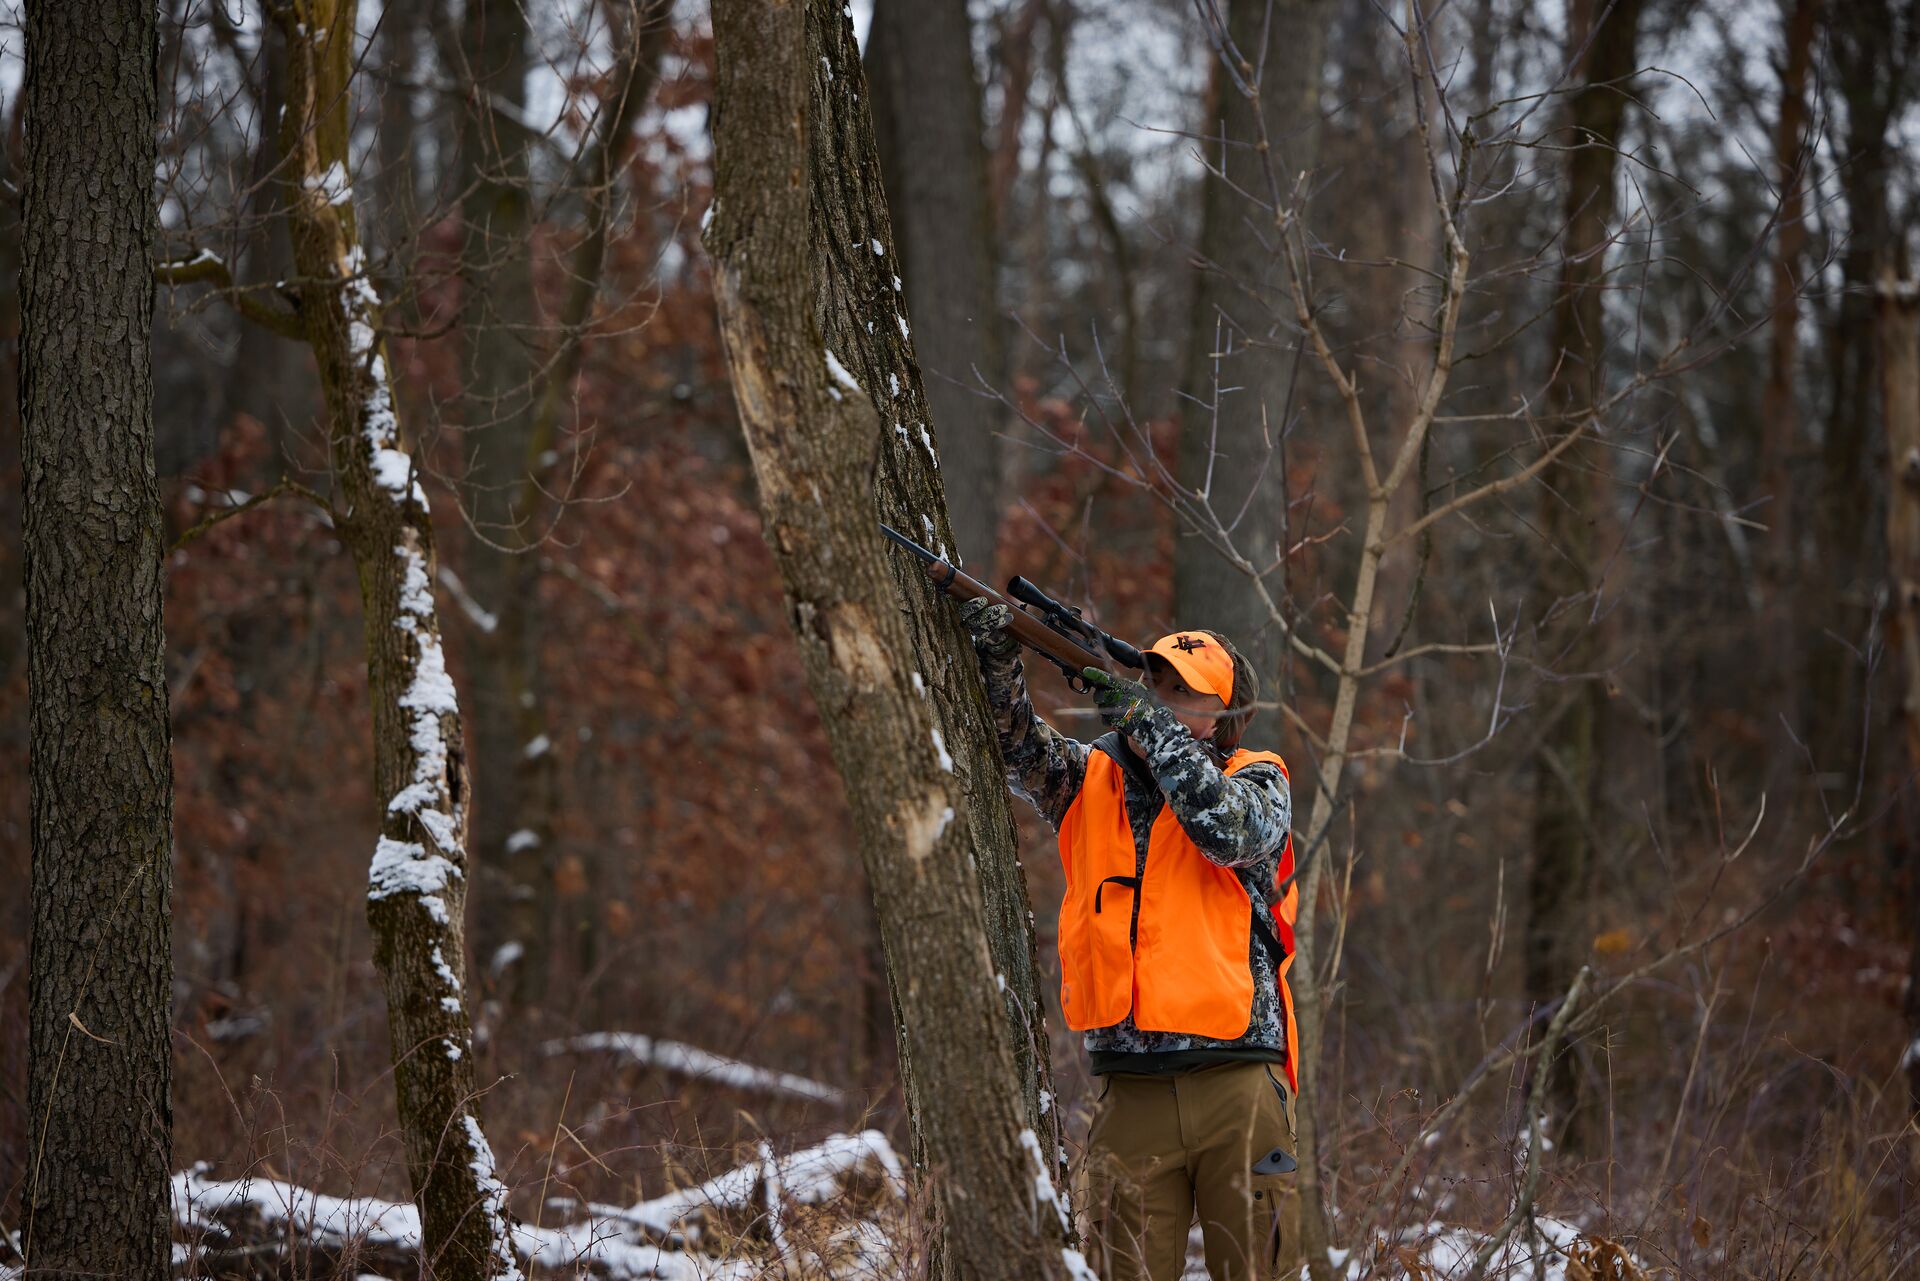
{"type": "Point", "coordinates": [1176, 930]}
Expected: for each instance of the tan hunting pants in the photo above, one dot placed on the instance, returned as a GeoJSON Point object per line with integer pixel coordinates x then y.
{"type": "Point", "coordinates": [1165, 1148]}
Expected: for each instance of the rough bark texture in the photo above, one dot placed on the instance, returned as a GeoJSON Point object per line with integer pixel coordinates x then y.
{"type": "Point", "coordinates": [933, 158]}
{"type": "Point", "coordinates": [813, 436]}
{"type": "Point", "coordinates": [417, 884]}
{"type": "Point", "coordinates": [1237, 342]}
{"type": "Point", "coordinates": [1899, 325]}
{"type": "Point", "coordinates": [859, 302]}
{"type": "Point", "coordinates": [100, 1063]}
{"type": "Point", "coordinates": [1572, 514]}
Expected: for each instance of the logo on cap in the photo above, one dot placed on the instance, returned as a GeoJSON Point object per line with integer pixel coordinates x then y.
{"type": "Point", "coordinates": [1187, 644]}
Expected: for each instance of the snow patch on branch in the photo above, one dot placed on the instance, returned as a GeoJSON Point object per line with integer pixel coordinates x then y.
{"type": "Point", "coordinates": [687, 1060]}
{"type": "Point", "coordinates": [391, 466]}
{"type": "Point", "coordinates": [655, 1240]}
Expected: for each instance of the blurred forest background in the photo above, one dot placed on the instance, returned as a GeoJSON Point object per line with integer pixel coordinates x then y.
{"type": "Point", "coordinates": [1650, 707]}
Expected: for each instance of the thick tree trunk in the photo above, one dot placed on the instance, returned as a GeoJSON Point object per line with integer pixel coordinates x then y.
{"type": "Point", "coordinates": [933, 158]}
{"type": "Point", "coordinates": [1779, 413]}
{"type": "Point", "coordinates": [1240, 324]}
{"type": "Point", "coordinates": [417, 890]}
{"type": "Point", "coordinates": [858, 293]}
{"type": "Point", "coordinates": [813, 433]}
{"type": "Point", "coordinates": [100, 1057]}
{"type": "Point", "coordinates": [1573, 514]}
{"type": "Point", "coordinates": [1899, 325]}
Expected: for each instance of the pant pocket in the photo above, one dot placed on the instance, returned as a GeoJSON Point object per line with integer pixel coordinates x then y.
{"type": "Point", "coordinates": [1286, 1102]}
{"type": "Point", "coordinates": [1276, 1207]}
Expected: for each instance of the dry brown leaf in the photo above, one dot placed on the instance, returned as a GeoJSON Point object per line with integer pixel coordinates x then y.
{"type": "Point", "coordinates": [1612, 942]}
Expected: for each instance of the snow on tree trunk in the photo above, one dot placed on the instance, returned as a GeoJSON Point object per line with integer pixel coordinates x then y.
{"type": "Point", "coordinates": [418, 877]}
{"type": "Point", "coordinates": [813, 434]}
{"type": "Point", "coordinates": [861, 297]}
{"type": "Point", "coordinates": [99, 1102]}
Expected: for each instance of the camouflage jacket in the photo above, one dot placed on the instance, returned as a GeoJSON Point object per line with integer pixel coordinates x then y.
{"type": "Point", "coordinates": [1238, 822]}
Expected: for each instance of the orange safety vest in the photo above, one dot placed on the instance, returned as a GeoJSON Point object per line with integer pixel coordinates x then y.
{"type": "Point", "coordinates": [1186, 967]}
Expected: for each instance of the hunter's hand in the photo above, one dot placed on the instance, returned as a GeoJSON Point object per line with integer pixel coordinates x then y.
{"type": "Point", "coordinates": [1129, 706]}
{"type": "Point", "coordinates": [987, 623]}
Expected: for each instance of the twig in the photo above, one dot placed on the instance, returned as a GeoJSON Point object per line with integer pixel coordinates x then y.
{"type": "Point", "coordinates": [1523, 1205]}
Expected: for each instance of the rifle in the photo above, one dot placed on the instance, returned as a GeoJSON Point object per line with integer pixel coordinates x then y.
{"type": "Point", "coordinates": [1050, 629]}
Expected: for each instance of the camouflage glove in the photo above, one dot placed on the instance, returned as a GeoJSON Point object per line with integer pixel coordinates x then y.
{"type": "Point", "coordinates": [987, 624]}
{"type": "Point", "coordinates": [1130, 707]}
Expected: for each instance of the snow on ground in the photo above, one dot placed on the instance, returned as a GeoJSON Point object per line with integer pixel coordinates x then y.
{"type": "Point", "coordinates": [1444, 1250]}
{"type": "Point", "coordinates": [675, 1237]}
{"type": "Point", "coordinates": [688, 1060]}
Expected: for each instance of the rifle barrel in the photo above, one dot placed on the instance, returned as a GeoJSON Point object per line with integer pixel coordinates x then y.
{"type": "Point", "coordinates": [1028, 627]}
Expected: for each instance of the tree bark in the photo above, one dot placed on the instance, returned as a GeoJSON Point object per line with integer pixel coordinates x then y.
{"type": "Point", "coordinates": [813, 434]}
{"type": "Point", "coordinates": [417, 882]}
{"type": "Point", "coordinates": [1228, 438]}
{"type": "Point", "coordinates": [100, 1061]}
{"type": "Point", "coordinates": [858, 292]}
{"type": "Point", "coordinates": [933, 159]}
{"type": "Point", "coordinates": [1572, 517]}
{"type": "Point", "coordinates": [1899, 325]}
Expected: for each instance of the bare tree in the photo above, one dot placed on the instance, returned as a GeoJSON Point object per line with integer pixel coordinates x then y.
{"type": "Point", "coordinates": [860, 289]}
{"type": "Point", "coordinates": [1239, 382]}
{"type": "Point", "coordinates": [1875, 48]}
{"type": "Point", "coordinates": [519, 376]}
{"type": "Point", "coordinates": [100, 1055]}
{"type": "Point", "coordinates": [1574, 524]}
{"type": "Point", "coordinates": [933, 157]}
{"type": "Point", "coordinates": [816, 436]}
{"type": "Point", "coordinates": [417, 888]}
{"type": "Point", "coordinates": [1779, 410]}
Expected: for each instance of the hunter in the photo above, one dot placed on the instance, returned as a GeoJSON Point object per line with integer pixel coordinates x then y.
{"type": "Point", "coordinates": [1173, 957]}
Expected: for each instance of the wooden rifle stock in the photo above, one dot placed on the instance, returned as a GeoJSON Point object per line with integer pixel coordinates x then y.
{"type": "Point", "coordinates": [1057, 634]}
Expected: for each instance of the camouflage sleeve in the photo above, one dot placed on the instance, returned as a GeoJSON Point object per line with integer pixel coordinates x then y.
{"type": "Point", "coordinates": [1043, 765]}
{"type": "Point", "coordinates": [1235, 820]}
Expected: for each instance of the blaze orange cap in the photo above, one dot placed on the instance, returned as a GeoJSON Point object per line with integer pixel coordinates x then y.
{"type": "Point", "coordinates": [1201, 660]}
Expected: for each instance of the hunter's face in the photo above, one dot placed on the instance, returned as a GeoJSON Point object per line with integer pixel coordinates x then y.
{"type": "Point", "coordinates": [1199, 712]}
